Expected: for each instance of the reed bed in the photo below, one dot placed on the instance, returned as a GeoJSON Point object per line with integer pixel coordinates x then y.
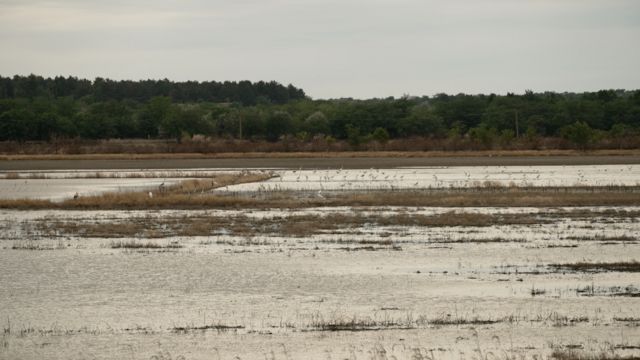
{"type": "Point", "coordinates": [570, 354]}
{"type": "Point", "coordinates": [291, 225]}
{"type": "Point", "coordinates": [620, 266]}
{"type": "Point", "coordinates": [196, 194]}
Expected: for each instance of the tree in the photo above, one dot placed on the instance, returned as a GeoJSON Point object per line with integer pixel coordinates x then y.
{"type": "Point", "coordinates": [317, 123]}
{"type": "Point", "coordinates": [422, 121]}
{"type": "Point", "coordinates": [484, 134]}
{"type": "Point", "coordinates": [154, 114]}
{"type": "Point", "coordinates": [17, 124]}
{"type": "Point", "coordinates": [380, 135]}
{"type": "Point", "coordinates": [579, 133]}
{"type": "Point", "coordinates": [278, 124]}
{"type": "Point", "coordinates": [353, 135]}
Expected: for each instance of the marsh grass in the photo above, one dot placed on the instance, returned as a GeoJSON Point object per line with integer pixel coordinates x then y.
{"type": "Point", "coordinates": [37, 246]}
{"type": "Point", "coordinates": [385, 321]}
{"type": "Point", "coordinates": [627, 319]}
{"type": "Point", "coordinates": [354, 323]}
{"type": "Point", "coordinates": [618, 291]}
{"type": "Point", "coordinates": [572, 354]}
{"type": "Point", "coordinates": [556, 319]}
{"type": "Point", "coordinates": [478, 240]}
{"type": "Point", "coordinates": [448, 320]}
{"type": "Point", "coordinates": [197, 194]}
{"type": "Point", "coordinates": [135, 244]}
{"type": "Point", "coordinates": [537, 291]}
{"type": "Point", "coordinates": [371, 248]}
{"type": "Point", "coordinates": [218, 327]}
{"type": "Point", "coordinates": [604, 238]}
{"type": "Point", "coordinates": [621, 266]}
{"type": "Point", "coordinates": [192, 193]}
{"type": "Point", "coordinates": [289, 226]}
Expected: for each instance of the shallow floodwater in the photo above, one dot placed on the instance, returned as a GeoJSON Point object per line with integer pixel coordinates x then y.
{"type": "Point", "coordinates": [60, 188]}
{"type": "Point", "coordinates": [354, 291]}
{"type": "Point", "coordinates": [60, 185]}
{"type": "Point", "coordinates": [448, 177]}
{"type": "Point", "coordinates": [364, 292]}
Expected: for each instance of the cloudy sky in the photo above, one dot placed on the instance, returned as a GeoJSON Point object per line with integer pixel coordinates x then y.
{"type": "Point", "coordinates": [333, 48]}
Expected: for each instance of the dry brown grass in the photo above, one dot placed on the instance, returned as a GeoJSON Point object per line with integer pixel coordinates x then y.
{"type": "Point", "coordinates": [196, 195]}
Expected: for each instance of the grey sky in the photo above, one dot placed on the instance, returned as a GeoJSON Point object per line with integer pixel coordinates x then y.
{"type": "Point", "coordinates": [332, 48]}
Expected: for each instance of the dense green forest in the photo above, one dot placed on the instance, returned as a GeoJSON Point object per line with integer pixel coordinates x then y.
{"type": "Point", "coordinates": [43, 109]}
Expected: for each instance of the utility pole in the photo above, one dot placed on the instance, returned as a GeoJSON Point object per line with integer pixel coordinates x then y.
{"type": "Point", "coordinates": [240, 132]}
{"type": "Point", "coordinates": [517, 128]}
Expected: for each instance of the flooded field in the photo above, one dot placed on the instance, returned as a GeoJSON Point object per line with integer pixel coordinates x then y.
{"type": "Point", "coordinates": [327, 282]}
{"type": "Point", "coordinates": [450, 177]}
{"type": "Point", "coordinates": [58, 185]}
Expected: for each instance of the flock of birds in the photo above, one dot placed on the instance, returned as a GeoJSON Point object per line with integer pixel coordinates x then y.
{"type": "Point", "coordinates": [446, 177]}
{"type": "Point", "coordinates": [404, 178]}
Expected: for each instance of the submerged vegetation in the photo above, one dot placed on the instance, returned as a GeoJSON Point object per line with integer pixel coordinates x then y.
{"type": "Point", "coordinates": [292, 225]}
{"type": "Point", "coordinates": [621, 266]}
{"type": "Point", "coordinates": [385, 225]}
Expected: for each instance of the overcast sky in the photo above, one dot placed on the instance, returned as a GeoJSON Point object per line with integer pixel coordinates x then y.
{"type": "Point", "coordinates": [333, 48]}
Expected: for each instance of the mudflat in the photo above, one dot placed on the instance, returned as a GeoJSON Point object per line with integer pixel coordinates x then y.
{"type": "Point", "coordinates": [363, 162]}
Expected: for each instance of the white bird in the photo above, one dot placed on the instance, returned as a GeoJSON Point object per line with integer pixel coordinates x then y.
{"type": "Point", "coordinates": [150, 194]}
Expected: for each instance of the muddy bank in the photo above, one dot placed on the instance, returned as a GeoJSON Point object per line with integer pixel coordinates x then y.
{"type": "Point", "coordinates": [314, 163]}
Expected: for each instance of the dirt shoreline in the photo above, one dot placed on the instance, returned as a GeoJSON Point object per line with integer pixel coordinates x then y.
{"type": "Point", "coordinates": [360, 162]}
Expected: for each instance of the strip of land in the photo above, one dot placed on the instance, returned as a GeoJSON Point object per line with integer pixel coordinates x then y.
{"type": "Point", "coordinates": [332, 160]}
{"type": "Point", "coordinates": [474, 197]}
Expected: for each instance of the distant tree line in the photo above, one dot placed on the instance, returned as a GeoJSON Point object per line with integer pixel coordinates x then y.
{"type": "Point", "coordinates": [33, 108]}
{"type": "Point", "coordinates": [244, 92]}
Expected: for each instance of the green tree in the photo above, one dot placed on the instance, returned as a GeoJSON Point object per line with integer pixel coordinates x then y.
{"type": "Point", "coordinates": [153, 114]}
{"type": "Point", "coordinates": [484, 134]}
{"type": "Point", "coordinates": [317, 123]}
{"type": "Point", "coordinates": [353, 135]}
{"type": "Point", "coordinates": [278, 124]}
{"type": "Point", "coordinates": [17, 124]}
{"type": "Point", "coordinates": [421, 121]}
{"type": "Point", "coordinates": [380, 135]}
{"type": "Point", "coordinates": [579, 133]}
